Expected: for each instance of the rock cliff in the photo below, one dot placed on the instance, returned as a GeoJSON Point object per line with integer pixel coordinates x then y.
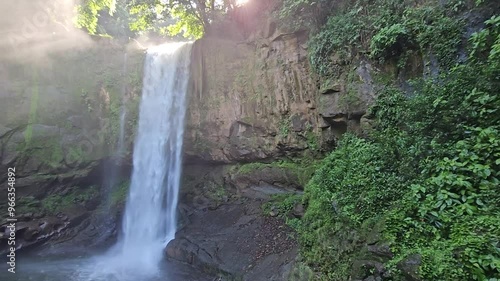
{"type": "Point", "coordinates": [254, 95]}
{"type": "Point", "coordinates": [60, 120]}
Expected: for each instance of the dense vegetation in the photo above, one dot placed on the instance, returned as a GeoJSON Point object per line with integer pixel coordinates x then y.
{"type": "Point", "coordinates": [427, 175]}
{"type": "Point", "coordinates": [122, 18]}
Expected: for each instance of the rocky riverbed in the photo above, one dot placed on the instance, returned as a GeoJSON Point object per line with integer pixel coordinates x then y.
{"type": "Point", "coordinates": [235, 239]}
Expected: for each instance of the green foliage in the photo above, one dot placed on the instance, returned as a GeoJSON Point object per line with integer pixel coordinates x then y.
{"type": "Point", "coordinates": [88, 13]}
{"type": "Point", "coordinates": [486, 43]}
{"type": "Point", "coordinates": [354, 183]}
{"type": "Point", "coordinates": [341, 34]}
{"type": "Point", "coordinates": [129, 18]}
{"type": "Point", "coordinates": [282, 204]}
{"type": "Point", "coordinates": [311, 14]}
{"type": "Point", "coordinates": [143, 17]}
{"type": "Point", "coordinates": [429, 171]}
{"type": "Point", "coordinates": [387, 30]}
{"type": "Point", "coordinates": [390, 41]}
{"type": "Point", "coordinates": [435, 31]}
{"type": "Point", "coordinates": [353, 175]}
{"type": "Point", "coordinates": [312, 140]}
{"type": "Point", "coordinates": [187, 24]}
{"type": "Point", "coordinates": [216, 192]}
{"type": "Point", "coordinates": [284, 127]}
{"type": "Point", "coordinates": [301, 272]}
{"type": "Point", "coordinates": [169, 18]}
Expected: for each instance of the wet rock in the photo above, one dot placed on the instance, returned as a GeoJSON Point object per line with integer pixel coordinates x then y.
{"type": "Point", "coordinates": [409, 267]}
{"type": "Point", "coordinates": [266, 180]}
{"type": "Point", "coordinates": [182, 250]}
{"type": "Point", "coordinates": [366, 124]}
{"type": "Point", "coordinates": [31, 234]}
{"type": "Point", "coordinates": [298, 210]}
{"type": "Point", "coordinates": [382, 250]}
{"type": "Point", "coordinates": [265, 114]}
{"type": "Point", "coordinates": [329, 87]}
{"type": "Point", "coordinates": [367, 269]}
{"type": "Point", "coordinates": [373, 278]}
{"type": "Point", "coordinates": [236, 239]}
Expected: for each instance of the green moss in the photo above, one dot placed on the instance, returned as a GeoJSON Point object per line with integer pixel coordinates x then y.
{"type": "Point", "coordinates": [312, 140]}
{"type": "Point", "coordinates": [46, 150]}
{"type": "Point", "coordinates": [251, 167]}
{"type": "Point", "coordinates": [282, 204]}
{"type": "Point", "coordinates": [119, 194]}
{"type": "Point", "coordinates": [303, 169]}
{"type": "Point", "coordinates": [75, 154]}
{"type": "Point", "coordinates": [28, 133]}
{"type": "Point", "coordinates": [201, 144]}
{"type": "Point", "coordinates": [302, 272]}
{"type": "Point", "coordinates": [247, 120]}
{"type": "Point", "coordinates": [28, 205]}
{"type": "Point", "coordinates": [57, 202]}
{"type": "Point", "coordinates": [284, 126]}
{"type": "Point", "coordinates": [351, 99]}
{"type": "Point", "coordinates": [216, 192]}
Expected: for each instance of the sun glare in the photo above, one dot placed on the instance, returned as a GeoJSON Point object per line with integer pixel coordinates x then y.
{"type": "Point", "coordinates": [241, 2]}
{"type": "Point", "coordinates": [167, 48]}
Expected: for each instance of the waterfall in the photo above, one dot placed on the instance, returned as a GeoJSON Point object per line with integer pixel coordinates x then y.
{"type": "Point", "coordinates": [110, 182]}
{"type": "Point", "coordinates": [150, 220]}
{"type": "Point", "coordinates": [123, 112]}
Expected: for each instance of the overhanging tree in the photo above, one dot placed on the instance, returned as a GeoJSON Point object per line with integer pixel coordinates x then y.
{"type": "Point", "coordinates": [189, 18]}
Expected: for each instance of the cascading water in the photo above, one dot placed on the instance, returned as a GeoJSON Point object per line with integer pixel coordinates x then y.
{"type": "Point", "coordinates": [123, 112]}
{"type": "Point", "coordinates": [111, 180]}
{"type": "Point", "coordinates": [149, 221]}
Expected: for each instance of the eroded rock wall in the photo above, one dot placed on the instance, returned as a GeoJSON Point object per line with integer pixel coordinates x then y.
{"type": "Point", "coordinates": [59, 126]}
{"type": "Point", "coordinates": [254, 95]}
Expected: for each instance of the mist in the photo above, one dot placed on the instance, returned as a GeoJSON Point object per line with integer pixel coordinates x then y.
{"type": "Point", "coordinates": [31, 30]}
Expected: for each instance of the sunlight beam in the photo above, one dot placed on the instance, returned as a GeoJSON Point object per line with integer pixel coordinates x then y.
{"type": "Point", "coordinates": [241, 2]}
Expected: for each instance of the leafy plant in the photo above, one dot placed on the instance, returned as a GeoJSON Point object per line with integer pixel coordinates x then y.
{"type": "Point", "coordinates": [282, 204]}
{"type": "Point", "coordinates": [390, 41]}
{"type": "Point", "coordinates": [429, 173]}
{"type": "Point", "coordinates": [88, 11]}
{"type": "Point", "coordinates": [386, 30]}
{"type": "Point", "coordinates": [311, 14]}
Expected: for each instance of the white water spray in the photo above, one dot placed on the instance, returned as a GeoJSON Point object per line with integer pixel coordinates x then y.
{"type": "Point", "coordinates": [123, 112]}
{"type": "Point", "coordinates": [149, 221]}
{"type": "Point", "coordinates": [150, 218]}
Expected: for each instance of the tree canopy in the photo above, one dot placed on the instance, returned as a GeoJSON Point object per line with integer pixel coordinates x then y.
{"type": "Point", "coordinates": [189, 18]}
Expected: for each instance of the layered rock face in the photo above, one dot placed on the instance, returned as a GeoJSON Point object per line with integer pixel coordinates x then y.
{"type": "Point", "coordinates": [60, 119]}
{"type": "Point", "coordinates": [256, 97]}
{"type": "Point", "coordinates": [253, 97]}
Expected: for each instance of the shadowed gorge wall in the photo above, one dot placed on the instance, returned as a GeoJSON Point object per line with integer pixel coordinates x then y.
{"type": "Point", "coordinates": [62, 112]}
{"type": "Point", "coordinates": [255, 96]}
{"type": "Point", "coordinates": [60, 120]}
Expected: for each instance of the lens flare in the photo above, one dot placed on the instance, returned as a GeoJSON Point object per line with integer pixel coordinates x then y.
{"type": "Point", "coordinates": [241, 2]}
